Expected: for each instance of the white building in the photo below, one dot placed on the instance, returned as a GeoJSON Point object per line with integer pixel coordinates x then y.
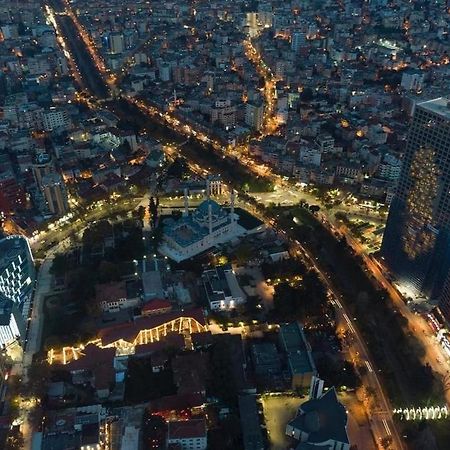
{"type": "Point", "coordinates": [298, 40]}
{"type": "Point", "coordinates": [224, 113]}
{"type": "Point", "coordinates": [113, 297]}
{"type": "Point", "coordinates": [412, 81]}
{"type": "Point", "coordinates": [164, 71]}
{"type": "Point", "coordinates": [56, 118]}
{"type": "Point", "coordinates": [310, 156]}
{"type": "Point", "coordinates": [188, 434]}
{"type": "Point", "coordinates": [116, 43]}
{"type": "Point", "coordinates": [390, 168]}
{"type": "Point", "coordinates": [54, 190]}
{"type": "Point", "coordinates": [12, 325]}
{"type": "Point", "coordinates": [222, 288]}
{"type": "Point", "coordinates": [254, 115]}
{"type": "Point", "coordinates": [196, 232]}
{"type": "Point", "coordinates": [325, 142]}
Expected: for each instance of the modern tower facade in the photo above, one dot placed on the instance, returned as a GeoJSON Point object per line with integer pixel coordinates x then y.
{"type": "Point", "coordinates": [17, 275]}
{"type": "Point", "coordinates": [416, 243]}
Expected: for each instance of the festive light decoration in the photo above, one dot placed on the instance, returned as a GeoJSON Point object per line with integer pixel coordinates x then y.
{"type": "Point", "coordinates": [425, 413]}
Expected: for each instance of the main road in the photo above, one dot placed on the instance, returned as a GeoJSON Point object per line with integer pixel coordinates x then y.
{"type": "Point", "coordinates": [434, 353]}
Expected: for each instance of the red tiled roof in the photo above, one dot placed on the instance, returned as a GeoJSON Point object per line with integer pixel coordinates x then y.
{"type": "Point", "coordinates": [110, 292]}
{"type": "Point", "coordinates": [156, 304]}
{"type": "Point", "coordinates": [129, 331]}
{"type": "Point", "coordinates": [177, 403]}
{"type": "Point", "coordinates": [97, 360]}
{"type": "Point", "coordinates": [186, 429]}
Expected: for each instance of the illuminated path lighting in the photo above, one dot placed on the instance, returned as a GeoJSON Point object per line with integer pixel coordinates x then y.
{"type": "Point", "coordinates": [180, 325]}
{"type": "Point", "coordinates": [425, 413]}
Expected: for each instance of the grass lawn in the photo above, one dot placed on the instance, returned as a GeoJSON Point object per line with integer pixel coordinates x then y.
{"type": "Point", "coordinates": [304, 216]}
{"type": "Point", "coordinates": [247, 220]}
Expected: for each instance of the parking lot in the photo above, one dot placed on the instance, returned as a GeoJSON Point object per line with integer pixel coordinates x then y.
{"type": "Point", "coordinates": [278, 411]}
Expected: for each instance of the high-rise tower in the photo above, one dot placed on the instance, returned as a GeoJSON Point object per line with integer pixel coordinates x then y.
{"type": "Point", "coordinates": [416, 243]}
{"type": "Point", "coordinates": [55, 193]}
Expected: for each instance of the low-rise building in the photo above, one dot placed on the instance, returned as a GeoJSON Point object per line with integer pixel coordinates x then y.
{"type": "Point", "coordinates": [320, 423]}
{"type": "Point", "coordinates": [114, 296]}
{"type": "Point", "coordinates": [265, 359]}
{"type": "Point", "coordinates": [152, 285]}
{"type": "Point", "coordinates": [251, 427]}
{"type": "Point", "coordinates": [188, 434]}
{"type": "Point", "coordinates": [155, 307]}
{"type": "Point", "coordinates": [298, 353]}
{"type": "Point", "coordinates": [222, 288]}
{"type": "Point", "coordinates": [82, 428]}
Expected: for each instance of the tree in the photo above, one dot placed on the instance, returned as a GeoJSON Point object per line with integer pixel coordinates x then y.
{"type": "Point", "coordinates": [153, 210]}
{"type": "Point", "coordinates": [108, 271]}
{"type": "Point", "coordinates": [338, 373]}
{"type": "Point", "coordinates": [15, 440]}
{"type": "Point", "coordinates": [243, 253]}
{"type": "Point", "coordinates": [307, 95]}
{"type": "Point", "coordinates": [139, 213]}
{"type": "Point", "coordinates": [284, 301]}
{"type": "Point", "coordinates": [306, 302]}
{"type": "Point", "coordinates": [157, 237]}
{"type": "Point", "coordinates": [82, 282]}
{"type": "Point", "coordinates": [131, 247]}
{"type": "Point", "coordinates": [339, 215]}
{"type": "Point", "coordinates": [178, 169]}
{"type": "Point", "coordinates": [59, 265]}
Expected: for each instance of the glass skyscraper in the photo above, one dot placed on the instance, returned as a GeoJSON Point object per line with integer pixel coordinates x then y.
{"type": "Point", "coordinates": [416, 243]}
{"type": "Point", "coordinates": [17, 276]}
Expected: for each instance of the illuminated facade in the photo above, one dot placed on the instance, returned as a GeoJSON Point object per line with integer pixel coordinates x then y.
{"type": "Point", "coordinates": [194, 233]}
{"type": "Point", "coordinates": [416, 243]}
{"type": "Point", "coordinates": [444, 304]}
{"type": "Point", "coordinates": [143, 331]}
{"type": "Point", "coordinates": [17, 275]}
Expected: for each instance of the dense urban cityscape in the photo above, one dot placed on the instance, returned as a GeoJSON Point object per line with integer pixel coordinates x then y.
{"type": "Point", "coordinates": [224, 224]}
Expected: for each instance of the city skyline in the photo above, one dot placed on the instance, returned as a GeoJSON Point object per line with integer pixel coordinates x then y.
{"type": "Point", "coordinates": [224, 224]}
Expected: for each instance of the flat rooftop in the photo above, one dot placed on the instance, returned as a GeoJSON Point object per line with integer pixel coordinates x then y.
{"type": "Point", "coordinates": [251, 430]}
{"type": "Point", "coordinates": [440, 106]}
{"type": "Point", "coordinates": [10, 248]}
{"type": "Point", "coordinates": [296, 347]}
